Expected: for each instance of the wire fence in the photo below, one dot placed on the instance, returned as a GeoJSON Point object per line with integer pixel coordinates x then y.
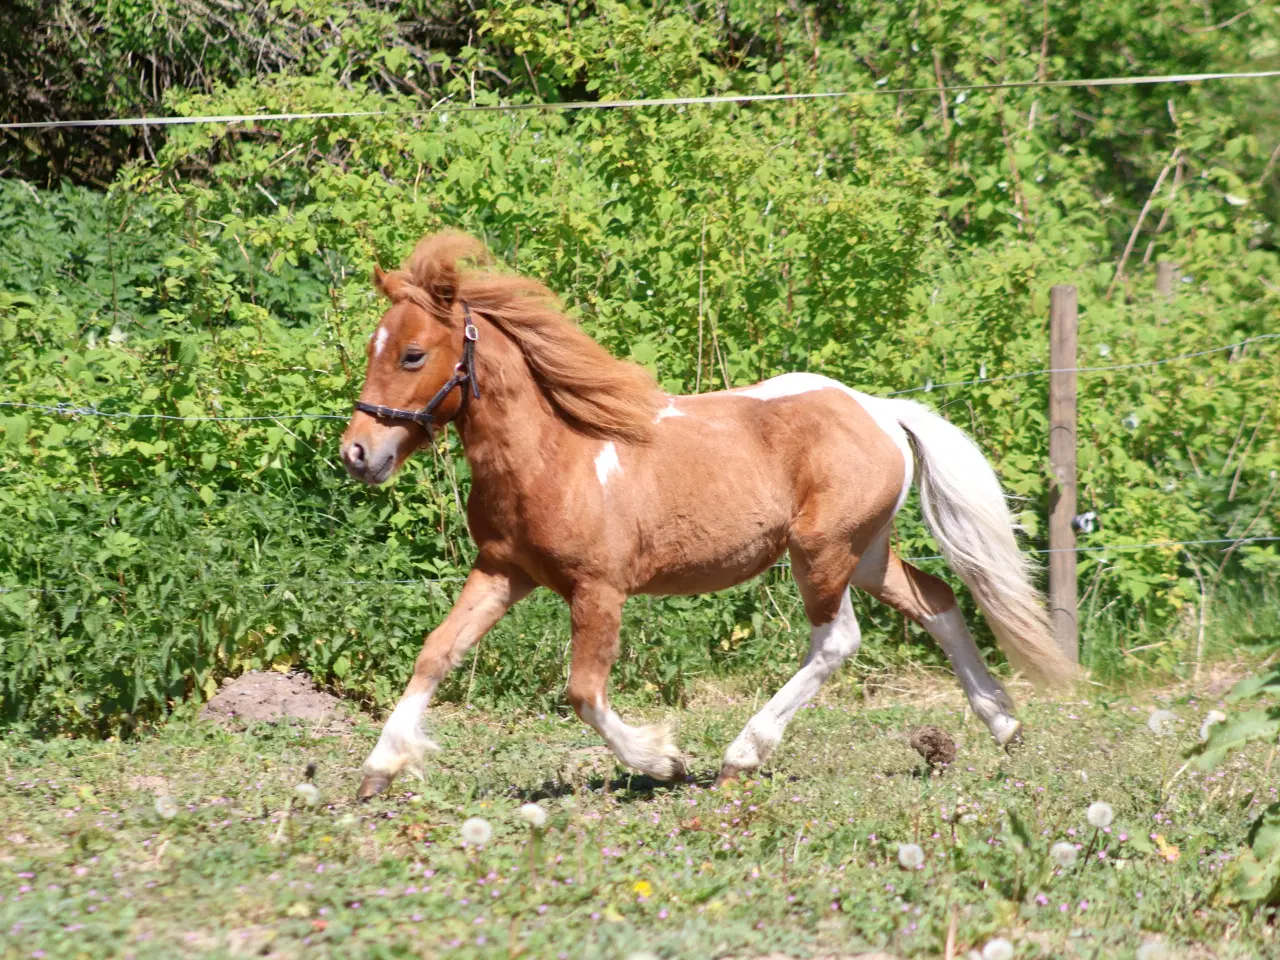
{"type": "Point", "coordinates": [782, 565]}
{"type": "Point", "coordinates": [76, 410]}
{"type": "Point", "coordinates": [68, 409]}
{"type": "Point", "coordinates": [881, 89]}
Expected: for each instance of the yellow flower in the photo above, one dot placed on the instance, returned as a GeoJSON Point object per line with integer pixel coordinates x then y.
{"type": "Point", "coordinates": [1167, 849]}
{"type": "Point", "coordinates": [643, 887]}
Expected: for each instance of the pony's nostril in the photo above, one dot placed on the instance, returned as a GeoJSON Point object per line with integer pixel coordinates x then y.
{"type": "Point", "coordinates": [355, 457]}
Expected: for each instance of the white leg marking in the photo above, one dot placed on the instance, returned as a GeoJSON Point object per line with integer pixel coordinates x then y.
{"type": "Point", "coordinates": [988, 698]}
{"type": "Point", "coordinates": [380, 341]}
{"type": "Point", "coordinates": [607, 463]}
{"type": "Point", "coordinates": [402, 743]}
{"type": "Point", "coordinates": [829, 646]}
{"type": "Point", "coordinates": [648, 749]}
{"type": "Point", "coordinates": [669, 410]}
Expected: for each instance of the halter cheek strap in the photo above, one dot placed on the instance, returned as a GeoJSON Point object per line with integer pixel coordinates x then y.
{"type": "Point", "coordinates": [464, 375]}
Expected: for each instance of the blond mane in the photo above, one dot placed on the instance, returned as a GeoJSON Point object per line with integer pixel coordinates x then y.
{"type": "Point", "coordinates": [588, 386]}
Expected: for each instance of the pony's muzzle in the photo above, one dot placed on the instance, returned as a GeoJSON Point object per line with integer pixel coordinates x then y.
{"type": "Point", "coordinates": [372, 464]}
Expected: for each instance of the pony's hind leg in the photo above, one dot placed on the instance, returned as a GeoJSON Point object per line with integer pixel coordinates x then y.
{"type": "Point", "coordinates": [932, 604]}
{"type": "Point", "coordinates": [486, 596]}
{"type": "Point", "coordinates": [597, 616]}
{"type": "Point", "coordinates": [834, 636]}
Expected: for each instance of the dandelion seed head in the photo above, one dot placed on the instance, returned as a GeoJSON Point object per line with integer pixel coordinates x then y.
{"type": "Point", "coordinates": [476, 831]}
{"type": "Point", "coordinates": [308, 793]}
{"type": "Point", "coordinates": [998, 949]}
{"type": "Point", "coordinates": [1100, 815]}
{"type": "Point", "coordinates": [533, 815]}
{"type": "Point", "coordinates": [166, 807]}
{"type": "Point", "coordinates": [910, 855]}
{"type": "Point", "coordinates": [1063, 853]}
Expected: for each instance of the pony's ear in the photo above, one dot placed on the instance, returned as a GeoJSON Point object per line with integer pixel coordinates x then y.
{"type": "Point", "coordinates": [440, 278]}
{"type": "Point", "coordinates": [391, 284]}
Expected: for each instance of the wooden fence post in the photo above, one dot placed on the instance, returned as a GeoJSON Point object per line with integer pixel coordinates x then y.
{"type": "Point", "coordinates": [1062, 462]}
{"type": "Point", "coordinates": [1164, 278]}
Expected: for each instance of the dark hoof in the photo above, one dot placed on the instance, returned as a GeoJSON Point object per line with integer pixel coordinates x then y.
{"type": "Point", "coordinates": [1015, 742]}
{"type": "Point", "coordinates": [372, 785]}
{"type": "Point", "coordinates": [679, 772]}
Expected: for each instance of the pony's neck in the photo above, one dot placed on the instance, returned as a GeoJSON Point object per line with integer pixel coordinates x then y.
{"type": "Point", "coordinates": [507, 433]}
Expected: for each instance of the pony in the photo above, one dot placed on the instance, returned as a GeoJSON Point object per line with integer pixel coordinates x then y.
{"type": "Point", "coordinates": [590, 481]}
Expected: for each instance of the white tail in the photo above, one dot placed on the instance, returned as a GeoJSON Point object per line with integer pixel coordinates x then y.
{"type": "Point", "coordinates": [965, 509]}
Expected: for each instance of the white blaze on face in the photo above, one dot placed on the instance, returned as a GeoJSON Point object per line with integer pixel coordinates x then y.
{"type": "Point", "coordinates": [379, 341]}
{"type": "Point", "coordinates": [607, 463]}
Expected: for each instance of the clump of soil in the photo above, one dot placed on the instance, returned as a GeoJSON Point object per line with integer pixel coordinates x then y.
{"type": "Point", "coordinates": [936, 746]}
{"type": "Point", "coordinates": [269, 697]}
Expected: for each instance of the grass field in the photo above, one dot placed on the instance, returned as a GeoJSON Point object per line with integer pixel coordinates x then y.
{"type": "Point", "coordinates": [803, 861]}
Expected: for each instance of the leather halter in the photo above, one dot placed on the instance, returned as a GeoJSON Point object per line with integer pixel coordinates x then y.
{"type": "Point", "coordinates": [464, 375]}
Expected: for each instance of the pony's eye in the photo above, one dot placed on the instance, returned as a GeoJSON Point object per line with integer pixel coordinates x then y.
{"type": "Point", "coordinates": [413, 360]}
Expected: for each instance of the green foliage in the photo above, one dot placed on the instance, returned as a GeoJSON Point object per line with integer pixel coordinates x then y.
{"type": "Point", "coordinates": [881, 240]}
{"type": "Point", "coordinates": [1257, 874]}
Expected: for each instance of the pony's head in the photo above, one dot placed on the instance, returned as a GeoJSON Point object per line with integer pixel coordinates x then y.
{"type": "Point", "coordinates": [414, 351]}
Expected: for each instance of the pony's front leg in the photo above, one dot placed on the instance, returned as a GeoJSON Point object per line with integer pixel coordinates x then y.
{"type": "Point", "coordinates": [488, 593]}
{"type": "Point", "coordinates": [597, 617]}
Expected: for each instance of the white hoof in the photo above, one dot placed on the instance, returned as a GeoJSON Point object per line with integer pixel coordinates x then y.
{"type": "Point", "coordinates": [1006, 730]}
{"type": "Point", "coordinates": [653, 752]}
{"type": "Point", "coordinates": [754, 746]}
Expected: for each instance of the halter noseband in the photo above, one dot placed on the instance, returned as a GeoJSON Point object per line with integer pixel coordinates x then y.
{"type": "Point", "coordinates": [464, 375]}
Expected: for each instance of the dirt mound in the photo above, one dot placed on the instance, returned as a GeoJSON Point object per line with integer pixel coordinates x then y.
{"type": "Point", "coordinates": [268, 697]}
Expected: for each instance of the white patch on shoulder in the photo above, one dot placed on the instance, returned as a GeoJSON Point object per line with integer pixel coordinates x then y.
{"type": "Point", "coordinates": [607, 463]}
{"type": "Point", "coordinates": [670, 410]}
{"type": "Point", "coordinates": [380, 341]}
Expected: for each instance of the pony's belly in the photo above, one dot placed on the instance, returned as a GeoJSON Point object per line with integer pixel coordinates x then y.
{"type": "Point", "coordinates": [708, 566]}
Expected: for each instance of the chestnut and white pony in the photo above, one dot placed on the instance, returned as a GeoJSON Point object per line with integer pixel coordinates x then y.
{"type": "Point", "coordinates": [590, 481]}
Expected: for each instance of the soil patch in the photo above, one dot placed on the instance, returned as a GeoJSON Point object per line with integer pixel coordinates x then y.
{"type": "Point", "coordinates": [269, 697]}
